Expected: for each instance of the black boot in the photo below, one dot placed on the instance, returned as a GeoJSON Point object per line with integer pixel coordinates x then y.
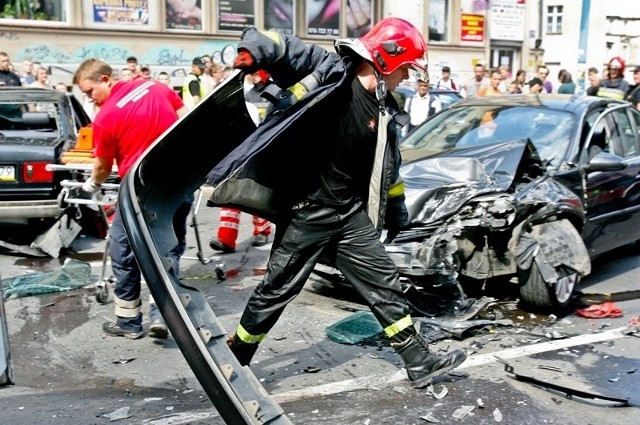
{"type": "Point", "coordinates": [423, 366]}
{"type": "Point", "coordinates": [243, 351]}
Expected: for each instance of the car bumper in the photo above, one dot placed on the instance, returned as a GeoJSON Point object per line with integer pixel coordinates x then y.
{"type": "Point", "coordinates": [147, 205]}
{"type": "Point", "coordinates": [12, 210]}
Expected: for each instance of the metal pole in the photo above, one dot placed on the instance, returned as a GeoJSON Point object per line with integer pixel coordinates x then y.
{"type": "Point", "coordinates": [582, 46]}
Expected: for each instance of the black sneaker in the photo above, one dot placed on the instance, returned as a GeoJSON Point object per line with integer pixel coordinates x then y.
{"type": "Point", "coordinates": [158, 329]}
{"type": "Point", "coordinates": [260, 240]}
{"type": "Point", "coordinates": [219, 246]}
{"type": "Point", "coordinates": [112, 328]}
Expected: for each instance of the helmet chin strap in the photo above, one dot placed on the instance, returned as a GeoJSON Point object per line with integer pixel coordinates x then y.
{"type": "Point", "coordinates": [381, 91]}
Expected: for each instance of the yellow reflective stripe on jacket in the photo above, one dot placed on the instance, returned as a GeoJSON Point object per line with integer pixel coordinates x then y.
{"type": "Point", "coordinates": [397, 189]}
{"type": "Point", "coordinates": [298, 90]}
{"type": "Point", "coordinates": [399, 326]}
{"type": "Point", "coordinates": [247, 337]}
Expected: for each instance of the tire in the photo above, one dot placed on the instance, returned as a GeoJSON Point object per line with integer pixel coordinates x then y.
{"type": "Point", "coordinates": [536, 294]}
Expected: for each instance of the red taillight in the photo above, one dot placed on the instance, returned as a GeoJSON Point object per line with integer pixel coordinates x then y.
{"type": "Point", "coordinates": [35, 172]}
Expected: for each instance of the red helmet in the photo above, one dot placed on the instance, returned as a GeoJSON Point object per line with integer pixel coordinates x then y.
{"type": "Point", "coordinates": [391, 43]}
{"type": "Point", "coordinates": [394, 42]}
{"type": "Point", "coordinates": [616, 63]}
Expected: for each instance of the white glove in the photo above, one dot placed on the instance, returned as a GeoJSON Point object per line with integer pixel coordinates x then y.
{"type": "Point", "coordinates": [89, 186]}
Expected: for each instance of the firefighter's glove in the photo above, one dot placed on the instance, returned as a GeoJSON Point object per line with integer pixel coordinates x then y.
{"type": "Point", "coordinates": [245, 62]}
{"type": "Point", "coordinates": [90, 186]}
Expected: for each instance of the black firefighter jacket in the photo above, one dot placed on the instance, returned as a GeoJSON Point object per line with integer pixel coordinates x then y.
{"type": "Point", "coordinates": [280, 163]}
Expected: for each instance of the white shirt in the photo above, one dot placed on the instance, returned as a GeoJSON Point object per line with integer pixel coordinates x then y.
{"type": "Point", "coordinates": [418, 108]}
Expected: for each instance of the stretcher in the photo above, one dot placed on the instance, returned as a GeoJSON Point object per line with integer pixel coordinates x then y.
{"type": "Point", "coordinates": [105, 200]}
{"type": "Point", "coordinates": [72, 196]}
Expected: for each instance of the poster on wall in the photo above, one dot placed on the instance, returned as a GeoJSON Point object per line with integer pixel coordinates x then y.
{"type": "Point", "coordinates": [323, 17]}
{"type": "Point", "coordinates": [279, 16]}
{"type": "Point", "coordinates": [121, 12]}
{"type": "Point", "coordinates": [236, 15]}
{"type": "Point", "coordinates": [184, 15]}
{"type": "Point", "coordinates": [359, 13]}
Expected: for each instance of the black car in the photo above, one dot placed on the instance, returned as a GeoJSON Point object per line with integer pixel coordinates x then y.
{"type": "Point", "coordinates": [518, 190]}
{"type": "Point", "coordinates": [36, 127]}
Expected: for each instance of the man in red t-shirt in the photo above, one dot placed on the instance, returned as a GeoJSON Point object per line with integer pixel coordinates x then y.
{"type": "Point", "coordinates": [132, 115]}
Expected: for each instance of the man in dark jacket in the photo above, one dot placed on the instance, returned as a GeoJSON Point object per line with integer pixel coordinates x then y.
{"type": "Point", "coordinates": [353, 190]}
{"type": "Point", "coordinates": [7, 76]}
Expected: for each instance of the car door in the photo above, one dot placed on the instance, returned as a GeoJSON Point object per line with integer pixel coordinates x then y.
{"type": "Point", "coordinates": [612, 198]}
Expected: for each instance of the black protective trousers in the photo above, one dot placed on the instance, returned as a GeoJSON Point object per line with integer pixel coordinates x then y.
{"type": "Point", "coordinates": [359, 255]}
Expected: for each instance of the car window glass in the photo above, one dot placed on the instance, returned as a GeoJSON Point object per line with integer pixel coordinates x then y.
{"type": "Point", "coordinates": [549, 130]}
{"type": "Point", "coordinates": [623, 138]}
{"type": "Point", "coordinates": [33, 120]}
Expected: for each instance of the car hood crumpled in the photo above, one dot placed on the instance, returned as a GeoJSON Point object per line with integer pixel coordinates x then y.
{"type": "Point", "coordinates": [437, 186]}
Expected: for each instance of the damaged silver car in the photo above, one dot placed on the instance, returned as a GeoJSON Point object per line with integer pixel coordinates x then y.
{"type": "Point", "coordinates": [521, 191]}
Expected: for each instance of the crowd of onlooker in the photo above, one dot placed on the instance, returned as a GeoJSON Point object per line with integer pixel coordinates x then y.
{"type": "Point", "coordinates": [31, 74]}
{"type": "Point", "coordinates": [499, 81]}
{"type": "Point", "coordinates": [485, 81]}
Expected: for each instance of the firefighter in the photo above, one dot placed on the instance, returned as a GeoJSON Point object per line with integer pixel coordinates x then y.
{"type": "Point", "coordinates": [356, 189]}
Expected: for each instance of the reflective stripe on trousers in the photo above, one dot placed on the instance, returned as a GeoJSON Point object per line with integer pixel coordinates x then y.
{"type": "Point", "coordinates": [360, 256]}
{"type": "Point", "coordinates": [230, 224]}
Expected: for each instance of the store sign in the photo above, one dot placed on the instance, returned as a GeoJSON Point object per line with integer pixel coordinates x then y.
{"type": "Point", "coordinates": [472, 27]}
{"type": "Point", "coordinates": [507, 20]}
{"type": "Point", "coordinates": [236, 15]}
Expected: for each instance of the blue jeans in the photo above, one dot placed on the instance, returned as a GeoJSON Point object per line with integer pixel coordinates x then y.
{"type": "Point", "coordinates": [125, 267]}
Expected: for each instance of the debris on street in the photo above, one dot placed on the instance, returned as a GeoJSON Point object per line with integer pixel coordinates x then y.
{"type": "Point", "coordinates": [439, 394]}
{"type": "Point", "coordinates": [462, 412]}
{"type": "Point", "coordinates": [121, 413]}
{"type": "Point", "coordinates": [430, 417]}
{"type": "Point", "coordinates": [72, 275]}
{"type": "Point", "coordinates": [355, 328]}
{"type": "Point", "coordinates": [599, 311]}
{"type": "Point", "coordinates": [497, 415]}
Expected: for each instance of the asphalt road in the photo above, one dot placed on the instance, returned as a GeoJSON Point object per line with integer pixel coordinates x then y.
{"type": "Point", "coordinates": [67, 371]}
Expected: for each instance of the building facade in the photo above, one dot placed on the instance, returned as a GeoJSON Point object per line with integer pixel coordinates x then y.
{"type": "Point", "coordinates": [167, 34]}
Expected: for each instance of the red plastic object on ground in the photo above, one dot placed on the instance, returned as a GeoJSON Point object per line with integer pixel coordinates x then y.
{"type": "Point", "coordinates": [599, 311]}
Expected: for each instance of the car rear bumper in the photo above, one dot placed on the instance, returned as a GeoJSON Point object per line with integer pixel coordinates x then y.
{"type": "Point", "coordinates": [29, 209]}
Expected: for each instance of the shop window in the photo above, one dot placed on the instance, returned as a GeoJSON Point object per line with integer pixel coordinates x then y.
{"type": "Point", "coordinates": [323, 17]}
{"type": "Point", "coordinates": [36, 10]}
{"type": "Point", "coordinates": [122, 15]}
{"type": "Point", "coordinates": [438, 20]}
{"type": "Point", "coordinates": [183, 15]}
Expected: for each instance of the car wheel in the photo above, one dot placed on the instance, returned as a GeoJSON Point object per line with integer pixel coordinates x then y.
{"type": "Point", "coordinates": [556, 298]}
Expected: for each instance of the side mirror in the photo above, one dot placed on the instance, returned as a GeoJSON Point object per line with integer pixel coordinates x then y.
{"type": "Point", "coordinates": [605, 161]}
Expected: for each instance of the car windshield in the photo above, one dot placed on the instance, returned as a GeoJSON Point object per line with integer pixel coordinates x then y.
{"type": "Point", "coordinates": [459, 128]}
{"type": "Point", "coordinates": [447, 98]}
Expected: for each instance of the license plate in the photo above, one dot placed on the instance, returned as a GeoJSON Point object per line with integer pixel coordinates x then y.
{"type": "Point", "coordinates": [7, 173]}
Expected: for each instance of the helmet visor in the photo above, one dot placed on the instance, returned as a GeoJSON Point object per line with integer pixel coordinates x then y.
{"type": "Point", "coordinates": [420, 67]}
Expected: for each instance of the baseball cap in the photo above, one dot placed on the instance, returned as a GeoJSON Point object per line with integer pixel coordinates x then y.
{"type": "Point", "coordinates": [199, 62]}
{"type": "Point", "coordinates": [636, 69]}
{"type": "Point", "coordinates": [132, 59]}
{"type": "Point", "coordinates": [446, 69]}
{"type": "Point", "coordinates": [534, 81]}
{"type": "Point", "coordinates": [145, 68]}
